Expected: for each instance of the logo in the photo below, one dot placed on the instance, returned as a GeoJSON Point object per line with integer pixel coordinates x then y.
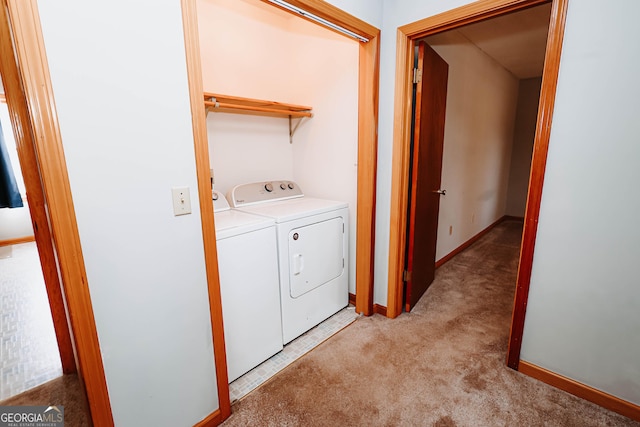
{"type": "Point", "coordinates": [31, 416]}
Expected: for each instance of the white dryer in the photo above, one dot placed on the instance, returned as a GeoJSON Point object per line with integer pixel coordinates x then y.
{"type": "Point", "coordinates": [249, 286]}
{"type": "Point", "coordinates": [312, 250]}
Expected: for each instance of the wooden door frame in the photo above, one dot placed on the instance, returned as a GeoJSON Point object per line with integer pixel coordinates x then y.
{"type": "Point", "coordinates": [201, 146]}
{"type": "Point", "coordinates": [37, 207]}
{"type": "Point", "coordinates": [37, 123]}
{"type": "Point", "coordinates": [406, 38]}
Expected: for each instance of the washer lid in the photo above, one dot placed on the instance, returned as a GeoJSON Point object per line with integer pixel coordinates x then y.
{"type": "Point", "coordinates": [233, 222]}
{"type": "Point", "coordinates": [289, 210]}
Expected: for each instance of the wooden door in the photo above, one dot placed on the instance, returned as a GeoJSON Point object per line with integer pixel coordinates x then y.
{"type": "Point", "coordinates": [424, 202]}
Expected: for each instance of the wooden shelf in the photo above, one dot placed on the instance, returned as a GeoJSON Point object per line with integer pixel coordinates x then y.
{"type": "Point", "coordinates": [215, 102]}
{"type": "Point", "coordinates": [233, 104]}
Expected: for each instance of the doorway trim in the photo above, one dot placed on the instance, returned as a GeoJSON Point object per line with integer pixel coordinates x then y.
{"type": "Point", "coordinates": [39, 111]}
{"type": "Point", "coordinates": [201, 148]}
{"type": "Point", "coordinates": [406, 38]}
{"type": "Point", "coordinates": [42, 234]}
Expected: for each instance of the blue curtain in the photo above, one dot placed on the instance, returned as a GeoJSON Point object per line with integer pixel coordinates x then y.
{"type": "Point", "coordinates": [9, 194]}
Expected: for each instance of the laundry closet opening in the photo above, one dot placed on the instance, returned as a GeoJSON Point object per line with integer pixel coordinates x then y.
{"type": "Point", "coordinates": [250, 49]}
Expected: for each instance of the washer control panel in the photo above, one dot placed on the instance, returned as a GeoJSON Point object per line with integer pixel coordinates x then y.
{"type": "Point", "coordinates": [261, 192]}
{"type": "Point", "coordinates": [220, 203]}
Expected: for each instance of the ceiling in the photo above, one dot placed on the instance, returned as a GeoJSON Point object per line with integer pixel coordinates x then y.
{"type": "Point", "coordinates": [517, 41]}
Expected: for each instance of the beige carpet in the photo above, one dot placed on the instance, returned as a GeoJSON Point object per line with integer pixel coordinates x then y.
{"type": "Point", "coordinates": [443, 364]}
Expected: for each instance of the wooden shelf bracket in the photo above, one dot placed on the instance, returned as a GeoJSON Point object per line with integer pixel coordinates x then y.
{"type": "Point", "coordinates": [292, 130]}
{"type": "Point", "coordinates": [233, 104]}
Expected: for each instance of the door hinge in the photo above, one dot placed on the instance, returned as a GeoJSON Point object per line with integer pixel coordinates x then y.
{"type": "Point", "coordinates": [417, 75]}
{"type": "Point", "coordinates": [406, 276]}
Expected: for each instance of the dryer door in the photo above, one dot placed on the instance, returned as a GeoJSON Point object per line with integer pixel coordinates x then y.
{"type": "Point", "coordinates": [315, 255]}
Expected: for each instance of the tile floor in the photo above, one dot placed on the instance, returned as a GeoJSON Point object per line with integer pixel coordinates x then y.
{"type": "Point", "coordinates": [292, 351]}
{"type": "Point", "coordinates": [28, 348]}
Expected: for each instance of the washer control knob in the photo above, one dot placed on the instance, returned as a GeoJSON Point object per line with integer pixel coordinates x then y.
{"type": "Point", "coordinates": [214, 196]}
{"type": "Point", "coordinates": [283, 186]}
{"type": "Point", "coordinates": [269, 187]}
{"type": "Point", "coordinates": [290, 186]}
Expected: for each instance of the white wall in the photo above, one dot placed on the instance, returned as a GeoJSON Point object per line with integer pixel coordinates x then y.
{"type": "Point", "coordinates": [272, 55]}
{"type": "Point", "coordinates": [481, 104]}
{"type": "Point", "coordinates": [16, 222]}
{"type": "Point", "coordinates": [523, 137]}
{"type": "Point", "coordinates": [120, 84]}
{"type": "Point", "coordinates": [583, 313]}
{"type": "Point", "coordinates": [255, 60]}
{"type": "Point", "coordinates": [369, 11]}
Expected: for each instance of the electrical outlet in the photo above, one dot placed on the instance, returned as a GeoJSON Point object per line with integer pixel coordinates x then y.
{"type": "Point", "coordinates": [181, 201]}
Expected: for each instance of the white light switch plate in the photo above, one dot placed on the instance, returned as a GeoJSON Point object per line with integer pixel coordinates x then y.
{"type": "Point", "coordinates": [181, 200]}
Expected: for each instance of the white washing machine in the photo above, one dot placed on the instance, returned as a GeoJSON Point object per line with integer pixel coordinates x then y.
{"type": "Point", "coordinates": [312, 250]}
{"type": "Point", "coordinates": [249, 286]}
